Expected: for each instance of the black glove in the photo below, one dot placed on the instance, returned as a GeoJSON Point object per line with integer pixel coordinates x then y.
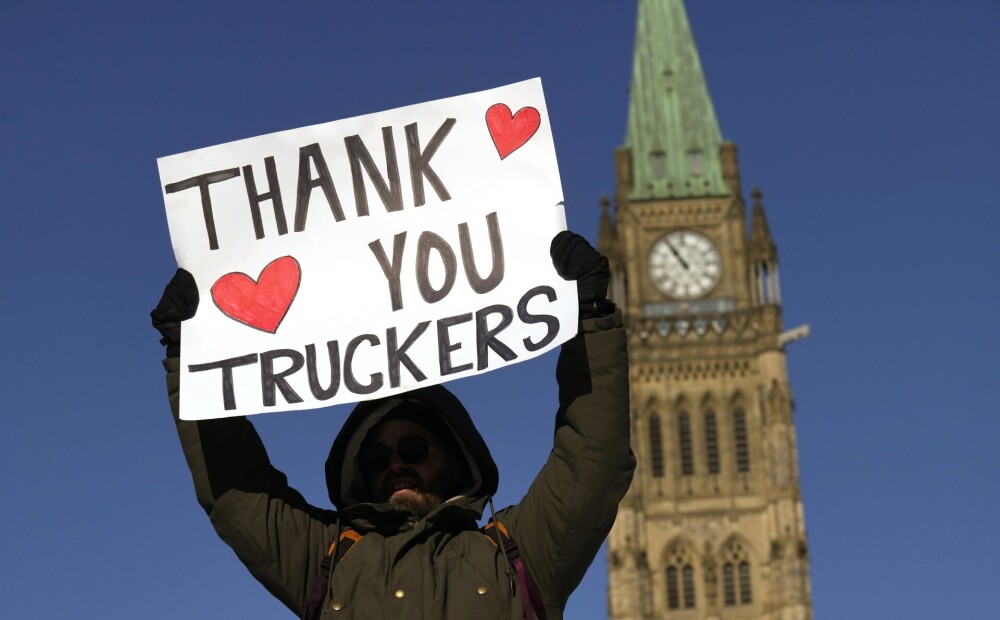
{"type": "Point", "coordinates": [575, 259]}
{"type": "Point", "coordinates": [179, 303]}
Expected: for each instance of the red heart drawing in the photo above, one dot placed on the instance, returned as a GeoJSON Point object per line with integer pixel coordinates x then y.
{"type": "Point", "coordinates": [511, 131]}
{"type": "Point", "coordinates": [261, 304]}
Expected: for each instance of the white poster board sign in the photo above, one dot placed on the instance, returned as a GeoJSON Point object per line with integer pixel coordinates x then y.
{"type": "Point", "coordinates": [369, 256]}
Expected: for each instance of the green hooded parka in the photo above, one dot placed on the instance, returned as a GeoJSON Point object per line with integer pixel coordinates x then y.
{"type": "Point", "coordinates": [441, 566]}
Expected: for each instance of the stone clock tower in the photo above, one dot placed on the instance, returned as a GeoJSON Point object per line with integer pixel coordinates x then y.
{"type": "Point", "coordinates": [713, 524]}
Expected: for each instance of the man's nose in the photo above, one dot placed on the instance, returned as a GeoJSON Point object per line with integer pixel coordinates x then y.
{"type": "Point", "coordinates": [395, 463]}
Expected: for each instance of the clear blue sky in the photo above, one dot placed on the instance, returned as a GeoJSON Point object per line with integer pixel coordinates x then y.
{"type": "Point", "coordinates": [870, 126]}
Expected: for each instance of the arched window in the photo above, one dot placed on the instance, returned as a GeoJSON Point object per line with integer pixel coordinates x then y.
{"type": "Point", "coordinates": [684, 436]}
{"type": "Point", "coordinates": [688, 574]}
{"type": "Point", "coordinates": [655, 445]}
{"type": "Point", "coordinates": [680, 579]}
{"type": "Point", "coordinates": [736, 564]}
{"type": "Point", "coordinates": [711, 442]}
{"type": "Point", "coordinates": [728, 584]}
{"type": "Point", "coordinates": [673, 591]}
{"type": "Point", "coordinates": [742, 446]}
{"type": "Point", "coordinates": [745, 595]}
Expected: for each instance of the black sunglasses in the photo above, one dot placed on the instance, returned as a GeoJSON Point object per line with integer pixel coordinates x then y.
{"type": "Point", "coordinates": [412, 449]}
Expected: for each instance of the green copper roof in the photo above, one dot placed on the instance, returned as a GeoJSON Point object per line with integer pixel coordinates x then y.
{"type": "Point", "coordinates": [672, 132]}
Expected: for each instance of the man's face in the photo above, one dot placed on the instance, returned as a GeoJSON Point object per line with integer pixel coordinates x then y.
{"type": "Point", "coordinates": [409, 480]}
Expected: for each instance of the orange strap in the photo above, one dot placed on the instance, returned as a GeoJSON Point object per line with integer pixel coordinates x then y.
{"type": "Point", "coordinates": [503, 530]}
{"type": "Point", "coordinates": [348, 535]}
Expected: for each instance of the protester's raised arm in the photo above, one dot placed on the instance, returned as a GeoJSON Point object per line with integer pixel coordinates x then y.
{"type": "Point", "coordinates": [274, 532]}
{"type": "Point", "coordinates": [565, 516]}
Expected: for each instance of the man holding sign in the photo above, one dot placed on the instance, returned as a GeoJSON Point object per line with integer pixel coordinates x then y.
{"type": "Point", "coordinates": [383, 303]}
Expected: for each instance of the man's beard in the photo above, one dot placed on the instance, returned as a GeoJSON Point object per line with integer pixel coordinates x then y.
{"type": "Point", "coordinates": [421, 501]}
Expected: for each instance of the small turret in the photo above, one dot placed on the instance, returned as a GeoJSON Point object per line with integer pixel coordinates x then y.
{"type": "Point", "coordinates": [762, 257]}
{"type": "Point", "coordinates": [607, 244]}
{"type": "Point", "coordinates": [607, 233]}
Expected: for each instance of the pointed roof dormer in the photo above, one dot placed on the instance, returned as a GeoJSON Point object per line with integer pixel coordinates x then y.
{"type": "Point", "coordinates": [672, 134]}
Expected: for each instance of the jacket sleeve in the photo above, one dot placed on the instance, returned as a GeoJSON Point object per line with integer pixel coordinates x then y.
{"type": "Point", "coordinates": [278, 536]}
{"type": "Point", "coordinates": [570, 507]}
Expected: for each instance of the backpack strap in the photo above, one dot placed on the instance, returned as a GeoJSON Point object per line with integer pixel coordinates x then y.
{"type": "Point", "coordinates": [531, 596]}
{"type": "Point", "coordinates": [338, 549]}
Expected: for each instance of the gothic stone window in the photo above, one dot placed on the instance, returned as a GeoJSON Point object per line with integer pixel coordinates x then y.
{"type": "Point", "coordinates": [680, 578]}
{"type": "Point", "coordinates": [655, 445]}
{"type": "Point", "coordinates": [742, 446]}
{"type": "Point", "coordinates": [673, 591]}
{"type": "Point", "coordinates": [744, 571]}
{"type": "Point", "coordinates": [728, 584]}
{"type": "Point", "coordinates": [684, 436]}
{"type": "Point", "coordinates": [687, 574]}
{"type": "Point", "coordinates": [711, 442]}
{"type": "Point", "coordinates": [736, 565]}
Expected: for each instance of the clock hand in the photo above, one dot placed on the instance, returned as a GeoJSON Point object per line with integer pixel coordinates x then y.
{"type": "Point", "coordinates": [677, 255]}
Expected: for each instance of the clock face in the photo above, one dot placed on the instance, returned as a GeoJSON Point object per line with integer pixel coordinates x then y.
{"type": "Point", "coordinates": [684, 264]}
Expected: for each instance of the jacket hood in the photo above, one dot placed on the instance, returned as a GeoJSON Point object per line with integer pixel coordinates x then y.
{"type": "Point", "coordinates": [344, 480]}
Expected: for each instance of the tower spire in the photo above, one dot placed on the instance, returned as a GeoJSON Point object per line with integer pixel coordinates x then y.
{"type": "Point", "coordinates": [673, 136]}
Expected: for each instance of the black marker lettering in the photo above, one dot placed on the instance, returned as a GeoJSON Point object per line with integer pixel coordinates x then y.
{"type": "Point", "coordinates": [307, 183]}
{"type": "Point", "coordinates": [398, 354]}
{"type": "Point", "coordinates": [202, 182]}
{"type": "Point", "coordinates": [445, 347]}
{"type": "Point", "coordinates": [480, 285]}
{"type": "Point", "coordinates": [269, 380]}
{"type": "Point", "coordinates": [333, 353]}
{"type": "Point", "coordinates": [228, 397]}
{"type": "Point", "coordinates": [393, 270]}
{"type": "Point", "coordinates": [425, 244]}
{"type": "Point", "coordinates": [550, 321]}
{"type": "Point", "coordinates": [420, 162]}
{"type": "Point", "coordinates": [486, 338]}
{"type": "Point", "coordinates": [273, 194]}
{"type": "Point", "coordinates": [349, 380]}
{"type": "Point", "coordinates": [357, 153]}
